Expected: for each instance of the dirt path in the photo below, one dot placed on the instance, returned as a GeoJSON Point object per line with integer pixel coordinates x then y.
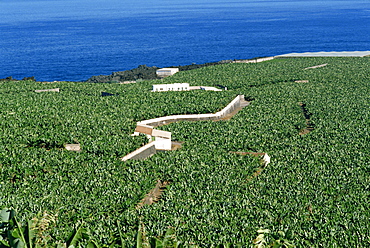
{"type": "Point", "coordinates": [154, 195]}
{"type": "Point", "coordinates": [307, 115]}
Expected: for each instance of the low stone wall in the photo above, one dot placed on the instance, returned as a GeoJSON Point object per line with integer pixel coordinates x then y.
{"type": "Point", "coordinates": [163, 138]}
{"type": "Point", "coordinates": [141, 153]}
{"type": "Point", "coordinates": [254, 60]}
{"type": "Point", "coordinates": [234, 104]}
{"type": "Point", "coordinates": [316, 66]}
{"type": "Point", "coordinates": [54, 90]}
{"type": "Point", "coordinates": [231, 107]}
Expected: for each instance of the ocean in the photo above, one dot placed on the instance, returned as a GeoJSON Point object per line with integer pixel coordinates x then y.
{"type": "Point", "coordinates": [73, 40]}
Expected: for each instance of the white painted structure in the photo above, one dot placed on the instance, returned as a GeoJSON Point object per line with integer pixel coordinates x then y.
{"type": "Point", "coordinates": [48, 90]}
{"type": "Point", "coordinates": [316, 66]}
{"type": "Point", "coordinates": [146, 126]}
{"type": "Point", "coordinates": [257, 60]}
{"type": "Point", "coordinates": [162, 139]}
{"type": "Point", "coordinates": [165, 72]}
{"type": "Point", "coordinates": [205, 88]}
{"type": "Point", "coordinates": [170, 87]}
{"type": "Point", "coordinates": [181, 87]}
{"type": "Point", "coordinates": [148, 150]}
{"type": "Point", "coordinates": [73, 147]}
{"type": "Point", "coordinates": [328, 54]}
{"type": "Point", "coordinates": [266, 159]}
{"type": "Point", "coordinates": [163, 143]}
{"type": "Point", "coordinates": [209, 88]}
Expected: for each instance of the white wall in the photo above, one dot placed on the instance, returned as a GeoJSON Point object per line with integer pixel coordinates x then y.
{"type": "Point", "coordinates": [170, 87]}
{"type": "Point", "coordinates": [194, 117]}
{"type": "Point", "coordinates": [163, 138]}
{"type": "Point", "coordinates": [163, 143]}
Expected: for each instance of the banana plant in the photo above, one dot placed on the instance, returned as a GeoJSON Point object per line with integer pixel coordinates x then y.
{"type": "Point", "coordinates": [14, 235]}
{"type": "Point", "coordinates": [11, 232]}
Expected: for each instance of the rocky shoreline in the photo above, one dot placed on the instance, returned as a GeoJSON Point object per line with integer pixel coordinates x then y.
{"type": "Point", "coordinates": [142, 72]}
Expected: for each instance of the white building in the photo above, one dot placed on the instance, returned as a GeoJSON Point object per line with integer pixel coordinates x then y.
{"type": "Point", "coordinates": [170, 87]}
{"type": "Point", "coordinates": [165, 72]}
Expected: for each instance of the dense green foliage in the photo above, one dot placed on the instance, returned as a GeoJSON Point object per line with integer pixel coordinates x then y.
{"type": "Point", "coordinates": [315, 191]}
{"type": "Point", "coordinates": [93, 186]}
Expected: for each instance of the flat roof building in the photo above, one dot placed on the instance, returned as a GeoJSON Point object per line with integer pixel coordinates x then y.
{"type": "Point", "coordinates": [165, 72]}
{"type": "Point", "coordinates": [170, 87]}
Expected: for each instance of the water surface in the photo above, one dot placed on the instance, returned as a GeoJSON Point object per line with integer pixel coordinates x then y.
{"type": "Point", "coordinates": [73, 40]}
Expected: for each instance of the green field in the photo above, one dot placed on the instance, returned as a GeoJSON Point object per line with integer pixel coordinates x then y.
{"type": "Point", "coordinates": [314, 193]}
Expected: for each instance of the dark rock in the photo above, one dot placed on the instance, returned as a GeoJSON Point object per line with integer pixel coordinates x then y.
{"type": "Point", "coordinates": [144, 72]}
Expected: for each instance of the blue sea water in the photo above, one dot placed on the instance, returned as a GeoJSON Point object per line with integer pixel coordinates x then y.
{"type": "Point", "coordinates": [75, 39]}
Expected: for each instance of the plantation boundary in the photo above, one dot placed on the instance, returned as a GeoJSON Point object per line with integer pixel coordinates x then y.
{"type": "Point", "coordinates": [257, 60]}
{"type": "Point", "coordinates": [48, 90]}
{"type": "Point", "coordinates": [141, 153]}
{"type": "Point", "coordinates": [316, 66]}
{"type": "Point", "coordinates": [235, 104]}
{"type": "Point", "coordinates": [162, 139]}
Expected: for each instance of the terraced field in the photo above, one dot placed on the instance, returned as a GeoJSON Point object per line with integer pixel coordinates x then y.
{"type": "Point", "coordinates": [314, 193]}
